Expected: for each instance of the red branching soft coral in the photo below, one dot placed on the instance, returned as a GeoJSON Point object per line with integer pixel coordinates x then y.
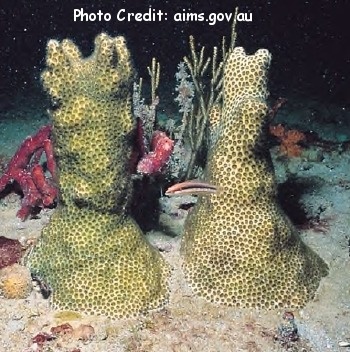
{"type": "Point", "coordinates": [289, 140]}
{"type": "Point", "coordinates": [25, 169]}
{"type": "Point", "coordinates": [154, 161]}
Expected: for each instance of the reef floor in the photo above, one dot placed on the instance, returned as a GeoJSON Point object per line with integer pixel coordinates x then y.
{"type": "Point", "coordinates": [189, 323]}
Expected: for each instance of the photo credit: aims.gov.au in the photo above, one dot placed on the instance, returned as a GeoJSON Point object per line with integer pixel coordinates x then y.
{"type": "Point", "coordinates": [158, 15]}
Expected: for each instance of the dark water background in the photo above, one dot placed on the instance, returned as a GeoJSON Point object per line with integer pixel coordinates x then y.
{"type": "Point", "coordinates": [308, 39]}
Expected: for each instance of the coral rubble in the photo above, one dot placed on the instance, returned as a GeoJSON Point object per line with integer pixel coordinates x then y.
{"type": "Point", "coordinates": [11, 251]}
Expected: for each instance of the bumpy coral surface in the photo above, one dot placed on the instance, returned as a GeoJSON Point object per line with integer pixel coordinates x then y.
{"type": "Point", "coordinates": [239, 248]}
{"type": "Point", "coordinates": [92, 254]}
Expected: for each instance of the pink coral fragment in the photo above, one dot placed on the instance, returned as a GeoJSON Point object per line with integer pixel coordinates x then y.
{"type": "Point", "coordinates": [153, 162]}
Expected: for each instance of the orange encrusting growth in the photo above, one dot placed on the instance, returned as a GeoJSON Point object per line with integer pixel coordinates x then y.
{"type": "Point", "coordinates": [289, 140]}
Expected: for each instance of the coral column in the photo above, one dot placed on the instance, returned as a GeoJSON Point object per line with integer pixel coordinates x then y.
{"type": "Point", "coordinates": [239, 247]}
{"type": "Point", "coordinates": [92, 254]}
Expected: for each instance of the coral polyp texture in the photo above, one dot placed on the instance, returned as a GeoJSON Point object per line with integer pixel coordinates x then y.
{"type": "Point", "coordinates": [92, 254]}
{"type": "Point", "coordinates": [239, 247]}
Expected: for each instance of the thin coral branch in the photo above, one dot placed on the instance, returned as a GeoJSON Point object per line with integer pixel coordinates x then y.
{"type": "Point", "coordinates": [233, 30]}
{"type": "Point", "coordinates": [154, 72]}
{"type": "Point", "coordinates": [206, 95]}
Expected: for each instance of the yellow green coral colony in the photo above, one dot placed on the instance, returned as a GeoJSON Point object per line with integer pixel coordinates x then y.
{"type": "Point", "coordinates": [92, 253]}
{"type": "Point", "coordinates": [238, 247]}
